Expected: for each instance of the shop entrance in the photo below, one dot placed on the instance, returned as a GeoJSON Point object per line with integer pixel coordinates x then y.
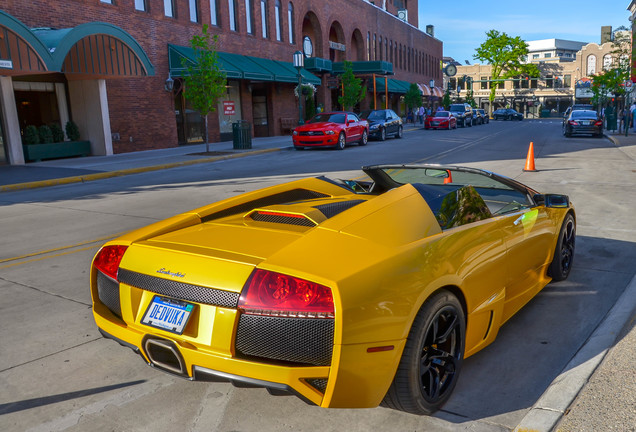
{"type": "Point", "coordinates": [259, 113]}
{"type": "Point", "coordinates": [37, 108]}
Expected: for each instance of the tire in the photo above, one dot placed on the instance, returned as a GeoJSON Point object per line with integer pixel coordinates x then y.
{"type": "Point", "coordinates": [470, 123]}
{"type": "Point", "coordinates": [382, 134]}
{"type": "Point", "coordinates": [449, 126]}
{"type": "Point", "coordinates": [365, 138]}
{"type": "Point", "coordinates": [432, 357]}
{"type": "Point", "coordinates": [455, 125]}
{"type": "Point", "coordinates": [342, 141]}
{"type": "Point", "coordinates": [400, 132]}
{"type": "Point", "coordinates": [561, 264]}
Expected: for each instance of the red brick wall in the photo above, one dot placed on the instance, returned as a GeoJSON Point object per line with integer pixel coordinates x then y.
{"type": "Point", "coordinates": [142, 112]}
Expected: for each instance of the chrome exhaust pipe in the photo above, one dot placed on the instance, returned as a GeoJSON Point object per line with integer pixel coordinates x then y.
{"type": "Point", "coordinates": [164, 354]}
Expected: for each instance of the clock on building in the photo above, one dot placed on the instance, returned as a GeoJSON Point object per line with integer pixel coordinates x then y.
{"type": "Point", "coordinates": [450, 70]}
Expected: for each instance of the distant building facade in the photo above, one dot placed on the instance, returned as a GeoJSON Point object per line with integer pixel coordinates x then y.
{"type": "Point", "coordinates": [115, 67]}
{"type": "Point", "coordinates": [561, 83]}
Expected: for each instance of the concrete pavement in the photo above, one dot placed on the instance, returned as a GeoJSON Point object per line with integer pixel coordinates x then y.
{"type": "Point", "coordinates": [596, 390]}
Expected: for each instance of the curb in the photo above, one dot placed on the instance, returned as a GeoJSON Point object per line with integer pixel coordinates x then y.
{"type": "Point", "coordinates": [546, 413]}
{"type": "Point", "coordinates": [124, 172]}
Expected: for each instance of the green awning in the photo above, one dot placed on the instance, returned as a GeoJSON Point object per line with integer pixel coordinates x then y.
{"type": "Point", "coordinates": [395, 86]}
{"type": "Point", "coordinates": [241, 66]}
{"type": "Point", "coordinates": [317, 64]}
{"type": "Point", "coordinates": [176, 53]}
{"type": "Point", "coordinates": [365, 68]}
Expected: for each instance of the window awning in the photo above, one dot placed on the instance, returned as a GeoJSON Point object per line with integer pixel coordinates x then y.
{"type": "Point", "coordinates": [426, 90]}
{"type": "Point", "coordinates": [239, 66]}
{"type": "Point", "coordinates": [365, 68]}
{"type": "Point", "coordinates": [93, 49]}
{"type": "Point", "coordinates": [395, 86]}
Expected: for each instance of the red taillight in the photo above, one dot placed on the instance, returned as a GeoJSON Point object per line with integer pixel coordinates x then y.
{"type": "Point", "coordinates": [598, 123]}
{"type": "Point", "coordinates": [108, 259]}
{"type": "Point", "coordinates": [573, 123]}
{"type": "Point", "coordinates": [275, 294]}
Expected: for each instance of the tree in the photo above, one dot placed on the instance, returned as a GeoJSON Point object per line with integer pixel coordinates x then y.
{"type": "Point", "coordinates": [413, 97]}
{"type": "Point", "coordinates": [446, 100]}
{"type": "Point", "coordinates": [205, 82]}
{"type": "Point", "coordinates": [506, 55]}
{"type": "Point", "coordinates": [352, 89]}
{"type": "Point", "coordinates": [614, 75]}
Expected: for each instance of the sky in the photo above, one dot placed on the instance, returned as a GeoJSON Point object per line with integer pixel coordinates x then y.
{"type": "Point", "coordinates": [462, 25]}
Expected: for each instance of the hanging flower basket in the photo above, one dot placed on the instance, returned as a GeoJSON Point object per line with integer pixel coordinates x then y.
{"type": "Point", "coordinates": [305, 90]}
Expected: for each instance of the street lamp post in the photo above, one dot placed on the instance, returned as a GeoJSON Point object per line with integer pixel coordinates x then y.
{"type": "Point", "coordinates": [431, 85]}
{"type": "Point", "coordinates": [299, 62]}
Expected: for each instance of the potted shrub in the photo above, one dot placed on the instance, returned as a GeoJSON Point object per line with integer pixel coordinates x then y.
{"type": "Point", "coordinates": [47, 142]}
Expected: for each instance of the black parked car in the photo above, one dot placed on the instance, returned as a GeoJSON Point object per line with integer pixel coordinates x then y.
{"type": "Point", "coordinates": [583, 122]}
{"type": "Point", "coordinates": [506, 114]}
{"type": "Point", "coordinates": [463, 113]}
{"type": "Point", "coordinates": [484, 115]}
{"type": "Point", "coordinates": [383, 122]}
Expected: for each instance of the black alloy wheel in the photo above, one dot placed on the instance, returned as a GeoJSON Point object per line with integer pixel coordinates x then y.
{"type": "Point", "coordinates": [561, 264]}
{"type": "Point", "coordinates": [382, 134]}
{"type": "Point", "coordinates": [432, 357]}
{"type": "Point", "coordinates": [400, 132]}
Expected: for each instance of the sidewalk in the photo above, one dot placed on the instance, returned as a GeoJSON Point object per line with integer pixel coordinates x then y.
{"type": "Point", "coordinates": [82, 169]}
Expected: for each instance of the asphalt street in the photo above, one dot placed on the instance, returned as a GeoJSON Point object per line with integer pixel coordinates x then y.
{"type": "Point", "coordinates": [565, 362]}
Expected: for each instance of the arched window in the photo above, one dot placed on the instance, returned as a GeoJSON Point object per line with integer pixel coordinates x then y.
{"type": "Point", "coordinates": [380, 46]}
{"type": "Point", "coordinates": [607, 61]}
{"type": "Point", "coordinates": [279, 21]}
{"type": "Point", "coordinates": [264, 21]}
{"type": "Point", "coordinates": [591, 65]}
{"type": "Point", "coordinates": [290, 22]}
{"type": "Point", "coordinates": [368, 46]}
{"type": "Point", "coordinates": [375, 48]}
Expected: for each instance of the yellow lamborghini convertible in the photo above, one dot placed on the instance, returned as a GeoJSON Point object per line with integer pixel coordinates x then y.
{"type": "Point", "coordinates": [346, 293]}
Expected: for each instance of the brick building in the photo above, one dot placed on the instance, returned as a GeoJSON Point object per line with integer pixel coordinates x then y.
{"type": "Point", "coordinates": [114, 67]}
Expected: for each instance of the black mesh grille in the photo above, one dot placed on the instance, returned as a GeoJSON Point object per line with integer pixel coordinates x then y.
{"type": "Point", "coordinates": [296, 340]}
{"type": "Point", "coordinates": [282, 219]}
{"type": "Point", "coordinates": [318, 383]}
{"type": "Point", "coordinates": [180, 290]}
{"type": "Point", "coordinates": [108, 293]}
{"type": "Point", "coordinates": [311, 133]}
{"type": "Point", "coordinates": [332, 209]}
{"type": "Point", "coordinates": [279, 198]}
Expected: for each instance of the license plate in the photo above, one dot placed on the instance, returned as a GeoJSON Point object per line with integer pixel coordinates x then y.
{"type": "Point", "coordinates": [168, 314]}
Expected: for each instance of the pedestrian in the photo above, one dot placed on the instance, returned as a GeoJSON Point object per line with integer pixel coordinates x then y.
{"type": "Point", "coordinates": [440, 108]}
{"type": "Point", "coordinates": [421, 114]}
{"type": "Point", "coordinates": [409, 116]}
{"type": "Point", "coordinates": [632, 110]}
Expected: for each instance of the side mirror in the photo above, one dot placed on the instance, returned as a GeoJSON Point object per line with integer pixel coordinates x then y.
{"type": "Point", "coordinates": [552, 200]}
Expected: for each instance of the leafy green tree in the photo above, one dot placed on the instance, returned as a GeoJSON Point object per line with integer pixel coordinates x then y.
{"type": "Point", "coordinates": [413, 97]}
{"type": "Point", "coordinates": [205, 82]}
{"type": "Point", "coordinates": [446, 100]}
{"type": "Point", "coordinates": [506, 56]}
{"type": "Point", "coordinates": [470, 99]}
{"type": "Point", "coordinates": [612, 79]}
{"type": "Point", "coordinates": [352, 89]}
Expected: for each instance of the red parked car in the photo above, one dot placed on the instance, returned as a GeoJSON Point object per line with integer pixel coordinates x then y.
{"type": "Point", "coordinates": [332, 129]}
{"type": "Point", "coordinates": [440, 120]}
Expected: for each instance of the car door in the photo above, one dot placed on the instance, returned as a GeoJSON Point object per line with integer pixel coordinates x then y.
{"type": "Point", "coordinates": [529, 234]}
{"type": "Point", "coordinates": [353, 127]}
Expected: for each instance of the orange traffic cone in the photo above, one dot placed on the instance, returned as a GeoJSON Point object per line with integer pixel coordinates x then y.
{"type": "Point", "coordinates": [530, 159]}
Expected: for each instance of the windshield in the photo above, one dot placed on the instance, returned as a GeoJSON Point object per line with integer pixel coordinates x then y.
{"type": "Point", "coordinates": [442, 114]}
{"type": "Point", "coordinates": [373, 115]}
{"type": "Point", "coordinates": [333, 118]}
{"type": "Point", "coordinates": [457, 108]}
{"type": "Point", "coordinates": [583, 114]}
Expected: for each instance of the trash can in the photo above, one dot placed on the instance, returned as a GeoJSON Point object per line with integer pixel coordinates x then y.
{"type": "Point", "coordinates": [611, 118]}
{"type": "Point", "coordinates": [545, 113]}
{"type": "Point", "coordinates": [242, 135]}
